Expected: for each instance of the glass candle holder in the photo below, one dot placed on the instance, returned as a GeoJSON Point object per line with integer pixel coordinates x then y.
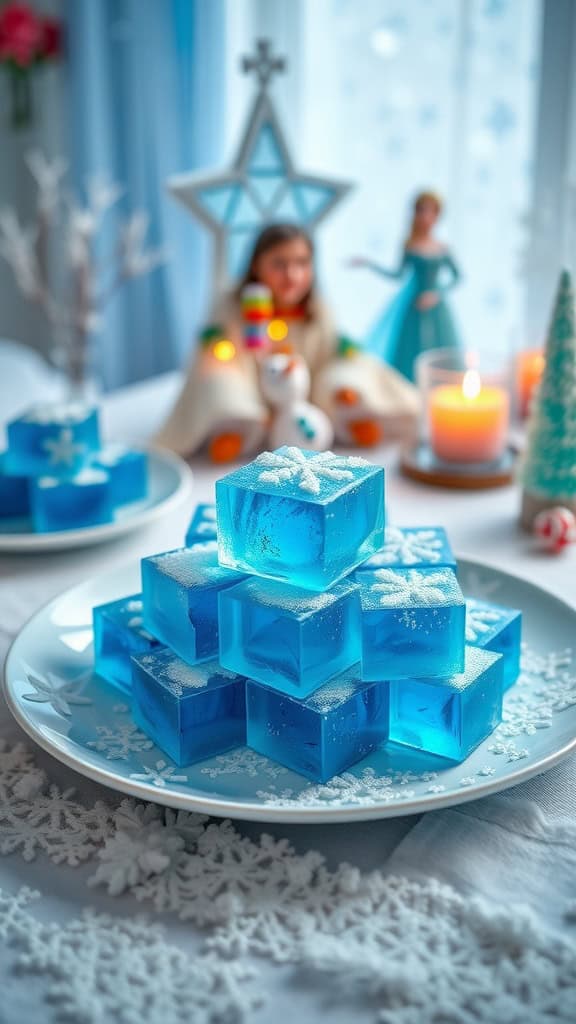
{"type": "Point", "coordinates": [466, 406]}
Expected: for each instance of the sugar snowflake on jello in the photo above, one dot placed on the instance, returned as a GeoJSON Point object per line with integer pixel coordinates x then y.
{"type": "Point", "coordinates": [395, 589]}
{"type": "Point", "coordinates": [293, 467]}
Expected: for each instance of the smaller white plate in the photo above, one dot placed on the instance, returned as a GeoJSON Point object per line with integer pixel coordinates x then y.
{"type": "Point", "coordinates": [169, 484]}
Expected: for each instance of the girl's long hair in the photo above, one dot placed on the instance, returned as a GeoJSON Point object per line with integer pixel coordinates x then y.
{"type": "Point", "coordinates": [422, 197]}
{"type": "Point", "coordinates": [271, 236]}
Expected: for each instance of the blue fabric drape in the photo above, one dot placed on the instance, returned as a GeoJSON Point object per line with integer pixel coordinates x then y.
{"type": "Point", "coordinates": [146, 101]}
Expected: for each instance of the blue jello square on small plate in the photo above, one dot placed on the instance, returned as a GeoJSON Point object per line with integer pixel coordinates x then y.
{"type": "Point", "coordinates": [71, 502]}
{"type": "Point", "coordinates": [52, 439]}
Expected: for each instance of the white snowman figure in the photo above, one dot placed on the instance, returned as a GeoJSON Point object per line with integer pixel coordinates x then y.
{"type": "Point", "coordinates": [285, 383]}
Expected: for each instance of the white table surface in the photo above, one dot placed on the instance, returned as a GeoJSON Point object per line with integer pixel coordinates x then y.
{"type": "Point", "coordinates": [481, 525]}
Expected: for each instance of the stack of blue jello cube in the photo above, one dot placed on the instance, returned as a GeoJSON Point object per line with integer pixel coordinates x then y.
{"type": "Point", "coordinates": [296, 623]}
{"type": "Point", "coordinates": [56, 476]}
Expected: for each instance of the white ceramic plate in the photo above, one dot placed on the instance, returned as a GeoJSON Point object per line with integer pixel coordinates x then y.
{"type": "Point", "coordinates": [170, 483]}
{"type": "Point", "coordinates": [84, 722]}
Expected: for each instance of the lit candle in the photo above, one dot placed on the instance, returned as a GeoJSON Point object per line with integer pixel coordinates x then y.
{"type": "Point", "coordinates": [468, 423]}
{"type": "Point", "coordinates": [529, 369]}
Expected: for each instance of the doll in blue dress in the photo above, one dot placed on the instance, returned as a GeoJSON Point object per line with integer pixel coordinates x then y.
{"type": "Point", "coordinates": [418, 318]}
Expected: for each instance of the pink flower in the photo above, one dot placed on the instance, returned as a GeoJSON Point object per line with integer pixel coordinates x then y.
{"type": "Point", "coordinates": [20, 34]}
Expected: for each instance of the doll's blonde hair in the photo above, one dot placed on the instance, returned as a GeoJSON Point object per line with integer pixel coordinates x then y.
{"type": "Point", "coordinates": [423, 197]}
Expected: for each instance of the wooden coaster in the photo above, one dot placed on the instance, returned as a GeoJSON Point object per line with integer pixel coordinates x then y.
{"type": "Point", "coordinates": [421, 464]}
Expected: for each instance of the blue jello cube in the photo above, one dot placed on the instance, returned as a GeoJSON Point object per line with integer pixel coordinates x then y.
{"type": "Point", "coordinates": [287, 637]}
{"type": "Point", "coordinates": [68, 503]}
{"type": "Point", "coordinates": [190, 711]}
{"type": "Point", "coordinates": [128, 472]}
{"type": "Point", "coordinates": [202, 525]}
{"type": "Point", "coordinates": [412, 623]}
{"type": "Point", "coordinates": [52, 439]}
{"type": "Point", "coordinates": [496, 629]}
{"type": "Point", "coordinates": [449, 717]}
{"type": "Point", "coordinates": [323, 735]}
{"type": "Point", "coordinates": [118, 633]}
{"type": "Point", "coordinates": [305, 517]}
{"type": "Point", "coordinates": [180, 594]}
{"type": "Point", "coordinates": [412, 547]}
{"type": "Point", "coordinates": [14, 494]}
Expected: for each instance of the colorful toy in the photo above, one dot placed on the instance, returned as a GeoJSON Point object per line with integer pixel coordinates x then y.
{"type": "Point", "coordinates": [419, 318]}
{"type": "Point", "coordinates": [257, 308]}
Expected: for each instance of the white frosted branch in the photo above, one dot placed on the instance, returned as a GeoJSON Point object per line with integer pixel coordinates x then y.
{"type": "Point", "coordinates": [48, 175]}
{"type": "Point", "coordinates": [102, 194]}
{"type": "Point", "coordinates": [17, 246]}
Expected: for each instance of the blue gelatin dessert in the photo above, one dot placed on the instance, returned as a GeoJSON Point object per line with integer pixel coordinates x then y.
{"type": "Point", "coordinates": [190, 711]}
{"type": "Point", "coordinates": [323, 735]}
{"type": "Point", "coordinates": [202, 525]}
{"type": "Point", "coordinates": [68, 503]}
{"type": "Point", "coordinates": [286, 637]}
{"type": "Point", "coordinates": [412, 623]}
{"type": "Point", "coordinates": [180, 594]}
{"type": "Point", "coordinates": [496, 629]}
{"type": "Point", "coordinates": [307, 518]}
{"type": "Point", "coordinates": [52, 439]}
{"type": "Point", "coordinates": [118, 633]}
{"type": "Point", "coordinates": [449, 717]}
{"type": "Point", "coordinates": [128, 471]}
{"type": "Point", "coordinates": [412, 547]}
{"type": "Point", "coordinates": [14, 494]}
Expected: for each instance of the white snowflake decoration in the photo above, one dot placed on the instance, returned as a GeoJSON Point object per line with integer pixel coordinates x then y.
{"type": "Point", "coordinates": [413, 587]}
{"type": "Point", "coordinates": [307, 473]}
{"type": "Point", "coordinates": [243, 762]}
{"type": "Point", "coordinates": [59, 695]}
{"type": "Point", "coordinates": [118, 744]}
{"type": "Point", "coordinates": [408, 548]}
{"type": "Point", "coordinates": [160, 774]}
{"type": "Point", "coordinates": [63, 450]}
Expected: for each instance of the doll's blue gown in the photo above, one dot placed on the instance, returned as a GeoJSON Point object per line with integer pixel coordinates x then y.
{"type": "Point", "coordinates": [404, 331]}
